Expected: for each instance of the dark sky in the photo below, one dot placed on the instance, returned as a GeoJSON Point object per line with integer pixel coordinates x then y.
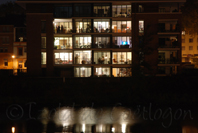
{"type": "Point", "coordinates": [4, 1]}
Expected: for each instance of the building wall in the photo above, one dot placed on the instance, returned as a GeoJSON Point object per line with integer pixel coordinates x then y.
{"type": "Point", "coordinates": [6, 45]}
{"type": "Point", "coordinates": [189, 55]}
{"type": "Point", "coordinates": [151, 16]}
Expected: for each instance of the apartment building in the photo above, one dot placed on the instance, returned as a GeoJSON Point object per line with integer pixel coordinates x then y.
{"type": "Point", "coordinates": [11, 46]}
{"type": "Point", "coordinates": [190, 48]}
{"type": "Point", "coordinates": [103, 38]}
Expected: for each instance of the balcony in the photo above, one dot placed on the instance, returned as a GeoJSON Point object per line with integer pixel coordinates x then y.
{"type": "Point", "coordinates": [101, 42]}
{"type": "Point", "coordinates": [63, 58]}
{"type": "Point", "coordinates": [121, 11]}
{"type": "Point", "coordinates": [166, 26]}
{"type": "Point", "coordinates": [170, 7]}
{"type": "Point", "coordinates": [169, 42]}
{"type": "Point", "coordinates": [122, 42]}
{"type": "Point", "coordinates": [82, 57]}
{"type": "Point", "coordinates": [63, 26]}
{"type": "Point", "coordinates": [168, 61]}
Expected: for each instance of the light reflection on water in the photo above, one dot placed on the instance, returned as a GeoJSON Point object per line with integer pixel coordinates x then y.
{"type": "Point", "coordinates": [87, 120]}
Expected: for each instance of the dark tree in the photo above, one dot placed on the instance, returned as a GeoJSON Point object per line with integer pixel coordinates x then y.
{"type": "Point", "coordinates": [190, 16]}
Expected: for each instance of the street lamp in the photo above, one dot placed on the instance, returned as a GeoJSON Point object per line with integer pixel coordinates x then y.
{"type": "Point", "coordinates": [13, 56]}
{"type": "Point", "coordinates": [13, 129]}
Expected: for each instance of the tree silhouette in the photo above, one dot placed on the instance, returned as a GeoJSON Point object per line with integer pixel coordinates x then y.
{"type": "Point", "coordinates": [190, 16]}
{"type": "Point", "coordinates": [141, 50]}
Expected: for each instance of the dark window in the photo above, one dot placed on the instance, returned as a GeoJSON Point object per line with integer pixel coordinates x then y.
{"type": "Point", "coordinates": [5, 40]}
{"type": "Point", "coordinates": [43, 9]}
{"type": "Point", "coordinates": [82, 10]}
{"type": "Point", "coordinates": [43, 26]}
{"type": "Point", "coordinates": [190, 47]}
{"type": "Point", "coordinates": [20, 34]}
{"type": "Point", "coordinates": [25, 49]}
{"type": "Point", "coordinates": [1, 50]}
{"type": "Point", "coordinates": [5, 49]}
{"type": "Point", "coordinates": [43, 42]}
{"type": "Point", "coordinates": [20, 51]}
{"type": "Point", "coordinates": [63, 12]}
{"type": "Point", "coordinates": [5, 62]}
{"type": "Point", "coordinates": [25, 64]}
{"type": "Point", "coordinates": [191, 40]}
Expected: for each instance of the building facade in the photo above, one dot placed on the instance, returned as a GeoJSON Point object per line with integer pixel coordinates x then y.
{"type": "Point", "coordinates": [103, 38]}
{"type": "Point", "coordinates": [190, 48]}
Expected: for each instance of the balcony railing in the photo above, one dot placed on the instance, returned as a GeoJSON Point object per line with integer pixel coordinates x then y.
{"type": "Point", "coordinates": [68, 46]}
{"type": "Point", "coordinates": [64, 31]}
{"type": "Point", "coordinates": [103, 30]}
{"type": "Point", "coordinates": [59, 61]}
{"type": "Point", "coordinates": [168, 61]}
{"type": "Point", "coordinates": [101, 61]}
{"type": "Point", "coordinates": [169, 45]}
{"type": "Point", "coordinates": [82, 61]}
{"type": "Point", "coordinates": [82, 46]}
{"type": "Point", "coordinates": [102, 45]}
{"type": "Point", "coordinates": [121, 46]}
{"type": "Point", "coordinates": [173, 29]}
{"type": "Point", "coordinates": [121, 31]}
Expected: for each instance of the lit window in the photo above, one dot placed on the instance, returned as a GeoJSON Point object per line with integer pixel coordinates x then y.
{"type": "Point", "coordinates": [43, 57]}
{"type": "Point", "coordinates": [63, 58]}
{"type": "Point", "coordinates": [6, 62]}
{"type": "Point", "coordinates": [190, 47]}
{"type": "Point", "coordinates": [183, 47]}
{"type": "Point", "coordinates": [183, 32]}
{"type": "Point", "coordinates": [122, 42]}
{"type": "Point", "coordinates": [102, 57]}
{"type": "Point", "coordinates": [102, 25]}
{"type": "Point", "coordinates": [82, 57]}
{"type": "Point", "coordinates": [191, 40]}
{"type": "Point", "coordinates": [102, 72]}
{"type": "Point", "coordinates": [121, 57]}
{"type": "Point", "coordinates": [62, 26]}
{"type": "Point", "coordinates": [122, 72]}
{"type": "Point", "coordinates": [121, 26]}
{"type": "Point", "coordinates": [141, 26]}
{"type": "Point", "coordinates": [63, 43]}
{"type": "Point", "coordinates": [101, 42]}
{"type": "Point", "coordinates": [83, 41]}
{"type": "Point", "coordinates": [20, 65]}
{"type": "Point", "coordinates": [82, 71]}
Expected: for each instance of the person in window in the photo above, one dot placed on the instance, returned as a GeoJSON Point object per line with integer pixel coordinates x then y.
{"type": "Point", "coordinates": [58, 29]}
{"type": "Point", "coordinates": [61, 28]}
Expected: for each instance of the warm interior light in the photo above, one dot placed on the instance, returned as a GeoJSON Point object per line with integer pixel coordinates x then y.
{"type": "Point", "coordinates": [13, 129]}
{"type": "Point", "coordinates": [123, 128]}
{"type": "Point", "coordinates": [83, 127]}
{"type": "Point", "coordinates": [113, 129]}
{"type": "Point", "coordinates": [13, 56]}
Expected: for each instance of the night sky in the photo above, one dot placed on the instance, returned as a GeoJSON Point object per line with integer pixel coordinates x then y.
{"type": "Point", "coordinates": [4, 1]}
